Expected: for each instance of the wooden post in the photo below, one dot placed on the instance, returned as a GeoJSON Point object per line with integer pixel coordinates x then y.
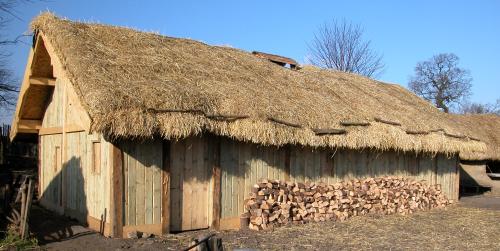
{"type": "Point", "coordinates": [29, 198]}
{"type": "Point", "coordinates": [65, 184]}
{"type": "Point", "coordinates": [216, 176]}
{"type": "Point", "coordinates": [457, 178]}
{"type": "Point", "coordinates": [165, 207]}
{"type": "Point", "coordinates": [117, 191]}
{"type": "Point", "coordinates": [39, 164]}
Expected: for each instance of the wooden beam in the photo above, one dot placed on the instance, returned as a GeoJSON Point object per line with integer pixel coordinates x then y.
{"type": "Point", "coordinates": [30, 124]}
{"type": "Point", "coordinates": [42, 81]}
{"type": "Point", "coordinates": [216, 177]}
{"type": "Point", "coordinates": [117, 191]}
{"type": "Point", "coordinates": [73, 128]}
{"type": "Point", "coordinates": [165, 206]}
{"type": "Point", "coordinates": [59, 129]}
{"type": "Point", "coordinates": [50, 130]}
{"type": "Point", "coordinates": [34, 131]}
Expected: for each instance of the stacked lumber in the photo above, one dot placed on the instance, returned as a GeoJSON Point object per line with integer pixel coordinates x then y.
{"type": "Point", "coordinates": [273, 203]}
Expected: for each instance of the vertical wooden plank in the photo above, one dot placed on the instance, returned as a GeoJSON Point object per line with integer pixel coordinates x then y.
{"type": "Point", "coordinates": [245, 159]}
{"type": "Point", "coordinates": [157, 182]}
{"type": "Point", "coordinates": [235, 178]}
{"type": "Point", "coordinates": [225, 171]}
{"type": "Point", "coordinates": [241, 176]}
{"type": "Point", "coordinates": [39, 166]}
{"type": "Point", "coordinates": [207, 178]}
{"type": "Point", "coordinates": [216, 177]}
{"type": "Point", "coordinates": [200, 195]}
{"type": "Point", "coordinates": [316, 164]}
{"type": "Point", "coordinates": [117, 185]}
{"type": "Point", "coordinates": [177, 156]}
{"type": "Point", "coordinates": [187, 185]}
{"type": "Point", "coordinates": [66, 182]}
{"type": "Point", "coordinates": [165, 198]}
{"type": "Point", "coordinates": [126, 202]}
{"type": "Point", "coordinates": [148, 184]}
{"type": "Point", "coordinates": [140, 202]}
{"type": "Point", "coordinates": [132, 181]}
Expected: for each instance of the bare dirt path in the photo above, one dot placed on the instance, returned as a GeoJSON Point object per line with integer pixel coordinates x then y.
{"type": "Point", "coordinates": [460, 227]}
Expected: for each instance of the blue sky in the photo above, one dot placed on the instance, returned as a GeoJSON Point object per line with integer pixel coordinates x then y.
{"type": "Point", "coordinates": [405, 32]}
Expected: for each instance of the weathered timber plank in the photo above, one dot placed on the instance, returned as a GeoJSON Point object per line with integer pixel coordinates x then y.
{"type": "Point", "coordinates": [216, 177]}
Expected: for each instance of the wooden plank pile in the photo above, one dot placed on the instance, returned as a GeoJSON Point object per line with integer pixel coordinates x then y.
{"type": "Point", "coordinates": [274, 203]}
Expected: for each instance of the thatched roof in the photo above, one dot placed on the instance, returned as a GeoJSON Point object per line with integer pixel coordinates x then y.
{"type": "Point", "coordinates": [485, 127]}
{"type": "Point", "coordinates": [138, 84]}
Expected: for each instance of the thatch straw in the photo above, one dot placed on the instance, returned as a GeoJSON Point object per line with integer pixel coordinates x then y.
{"type": "Point", "coordinates": [486, 128]}
{"type": "Point", "coordinates": [137, 84]}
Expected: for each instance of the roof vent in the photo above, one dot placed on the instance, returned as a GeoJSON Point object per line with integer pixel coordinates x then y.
{"type": "Point", "coordinates": [280, 60]}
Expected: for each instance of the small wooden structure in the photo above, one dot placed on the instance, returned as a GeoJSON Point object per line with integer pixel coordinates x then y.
{"type": "Point", "coordinates": [140, 132]}
{"type": "Point", "coordinates": [479, 169]}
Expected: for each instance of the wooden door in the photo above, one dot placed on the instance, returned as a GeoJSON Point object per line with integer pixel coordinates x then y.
{"type": "Point", "coordinates": [190, 184]}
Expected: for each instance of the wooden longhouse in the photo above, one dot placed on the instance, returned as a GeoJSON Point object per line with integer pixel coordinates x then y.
{"type": "Point", "coordinates": [142, 132]}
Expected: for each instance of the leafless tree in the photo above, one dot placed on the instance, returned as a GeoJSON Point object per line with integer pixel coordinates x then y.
{"type": "Point", "coordinates": [8, 83]}
{"type": "Point", "coordinates": [339, 45]}
{"type": "Point", "coordinates": [441, 81]}
{"type": "Point", "coordinates": [478, 108]}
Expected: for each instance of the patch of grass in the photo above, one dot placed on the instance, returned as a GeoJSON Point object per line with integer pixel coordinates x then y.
{"type": "Point", "coordinates": [12, 241]}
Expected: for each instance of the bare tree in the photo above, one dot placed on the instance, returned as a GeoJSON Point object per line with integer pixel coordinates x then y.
{"type": "Point", "coordinates": [478, 108]}
{"type": "Point", "coordinates": [441, 81]}
{"type": "Point", "coordinates": [8, 83]}
{"type": "Point", "coordinates": [340, 45]}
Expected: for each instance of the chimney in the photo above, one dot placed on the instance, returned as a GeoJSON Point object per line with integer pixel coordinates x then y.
{"type": "Point", "coordinates": [280, 60]}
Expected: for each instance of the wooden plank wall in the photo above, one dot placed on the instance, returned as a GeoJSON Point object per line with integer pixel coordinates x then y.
{"type": "Point", "coordinates": [243, 164]}
{"type": "Point", "coordinates": [142, 163]}
{"type": "Point", "coordinates": [73, 189]}
{"type": "Point", "coordinates": [86, 193]}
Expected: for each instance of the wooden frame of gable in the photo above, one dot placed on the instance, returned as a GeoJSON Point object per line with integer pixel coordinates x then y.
{"type": "Point", "coordinates": [43, 71]}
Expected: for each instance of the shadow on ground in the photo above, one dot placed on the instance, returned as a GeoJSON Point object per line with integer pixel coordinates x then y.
{"type": "Point", "coordinates": [50, 227]}
{"type": "Point", "coordinates": [483, 202]}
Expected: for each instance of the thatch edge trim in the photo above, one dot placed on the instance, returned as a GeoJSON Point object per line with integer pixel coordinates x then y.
{"type": "Point", "coordinates": [328, 131]}
{"type": "Point", "coordinates": [417, 132]}
{"type": "Point", "coordinates": [455, 135]}
{"type": "Point", "coordinates": [380, 120]}
{"type": "Point", "coordinates": [279, 121]}
{"type": "Point", "coordinates": [354, 123]}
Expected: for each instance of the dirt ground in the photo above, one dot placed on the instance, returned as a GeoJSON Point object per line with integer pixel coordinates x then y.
{"type": "Point", "coordinates": [473, 224]}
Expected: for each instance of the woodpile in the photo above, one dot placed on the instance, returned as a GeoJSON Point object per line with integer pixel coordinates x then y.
{"type": "Point", "coordinates": [274, 203]}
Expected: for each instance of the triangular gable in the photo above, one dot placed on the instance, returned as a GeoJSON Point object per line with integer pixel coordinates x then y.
{"type": "Point", "coordinates": [37, 89]}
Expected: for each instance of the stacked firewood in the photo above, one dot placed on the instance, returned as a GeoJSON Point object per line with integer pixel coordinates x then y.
{"type": "Point", "coordinates": [273, 203]}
